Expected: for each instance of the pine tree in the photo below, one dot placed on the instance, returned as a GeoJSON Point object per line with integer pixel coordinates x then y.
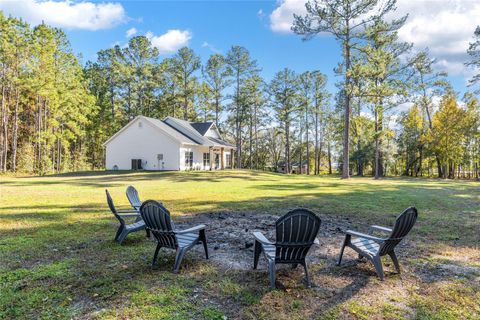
{"type": "Point", "coordinates": [216, 74]}
{"type": "Point", "coordinates": [241, 67]}
{"type": "Point", "coordinates": [346, 21]}
{"type": "Point", "coordinates": [185, 64]}
{"type": "Point", "coordinates": [284, 91]}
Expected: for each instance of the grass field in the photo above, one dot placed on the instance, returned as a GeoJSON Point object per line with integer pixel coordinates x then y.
{"type": "Point", "coordinates": [58, 258]}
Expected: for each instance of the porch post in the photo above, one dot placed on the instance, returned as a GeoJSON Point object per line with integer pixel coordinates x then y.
{"type": "Point", "coordinates": [221, 159]}
{"type": "Point", "coordinates": [211, 158]}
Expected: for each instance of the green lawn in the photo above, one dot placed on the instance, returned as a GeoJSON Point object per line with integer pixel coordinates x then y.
{"type": "Point", "coordinates": [58, 260]}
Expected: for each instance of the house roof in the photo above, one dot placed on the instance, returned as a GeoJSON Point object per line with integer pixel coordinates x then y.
{"type": "Point", "coordinates": [191, 133]}
{"type": "Point", "coordinates": [171, 131]}
{"type": "Point", "coordinates": [282, 163]}
{"type": "Point", "coordinates": [201, 127]}
{"type": "Point", "coordinates": [160, 125]}
{"type": "Point", "coordinates": [221, 142]}
{"type": "Point", "coordinates": [196, 131]}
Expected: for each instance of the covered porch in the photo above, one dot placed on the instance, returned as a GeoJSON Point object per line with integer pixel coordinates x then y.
{"type": "Point", "coordinates": [220, 158]}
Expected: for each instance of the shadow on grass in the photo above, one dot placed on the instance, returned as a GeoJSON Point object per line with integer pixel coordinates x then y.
{"type": "Point", "coordinates": [115, 178]}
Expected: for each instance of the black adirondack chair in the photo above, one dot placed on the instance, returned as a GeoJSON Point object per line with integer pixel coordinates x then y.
{"type": "Point", "coordinates": [295, 234]}
{"type": "Point", "coordinates": [157, 220]}
{"type": "Point", "coordinates": [124, 229]}
{"type": "Point", "coordinates": [133, 198]}
{"type": "Point", "coordinates": [373, 248]}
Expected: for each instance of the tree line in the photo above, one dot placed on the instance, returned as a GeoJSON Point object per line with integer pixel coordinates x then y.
{"type": "Point", "coordinates": [393, 113]}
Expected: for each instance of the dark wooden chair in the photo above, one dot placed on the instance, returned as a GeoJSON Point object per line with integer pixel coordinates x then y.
{"type": "Point", "coordinates": [133, 198]}
{"type": "Point", "coordinates": [124, 229]}
{"type": "Point", "coordinates": [373, 248]}
{"type": "Point", "coordinates": [158, 222]}
{"type": "Point", "coordinates": [295, 234]}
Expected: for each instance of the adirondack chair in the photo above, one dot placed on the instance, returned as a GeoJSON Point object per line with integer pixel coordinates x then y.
{"type": "Point", "coordinates": [295, 234]}
{"type": "Point", "coordinates": [373, 248]}
{"type": "Point", "coordinates": [124, 229]}
{"type": "Point", "coordinates": [133, 198]}
{"type": "Point", "coordinates": [157, 220]}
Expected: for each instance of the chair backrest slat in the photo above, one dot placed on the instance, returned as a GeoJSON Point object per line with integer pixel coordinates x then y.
{"type": "Point", "coordinates": [157, 220]}
{"type": "Point", "coordinates": [403, 225]}
{"type": "Point", "coordinates": [133, 198]}
{"type": "Point", "coordinates": [295, 234]}
{"type": "Point", "coordinates": [112, 208]}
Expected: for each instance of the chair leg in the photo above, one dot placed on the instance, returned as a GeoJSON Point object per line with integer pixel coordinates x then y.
{"type": "Point", "coordinates": [377, 262]}
{"type": "Point", "coordinates": [256, 253]}
{"type": "Point", "coordinates": [294, 266]}
{"type": "Point", "coordinates": [395, 261]}
{"type": "Point", "coordinates": [345, 242]}
{"type": "Point", "coordinates": [307, 278]}
{"type": "Point", "coordinates": [271, 271]}
{"type": "Point", "coordinates": [178, 259]}
{"type": "Point", "coordinates": [119, 231]}
{"type": "Point", "coordinates": [154, 261]}
{"type": "Point", "coordinates": [123, 236]}
{"type": "Point", "coordinates": [203, 238]}
{"type": "Point", "coordinates": [148, 233]}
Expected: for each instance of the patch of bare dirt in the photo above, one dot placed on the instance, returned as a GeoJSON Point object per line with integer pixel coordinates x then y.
{"type": "Point", "coordinates": [230, 236]}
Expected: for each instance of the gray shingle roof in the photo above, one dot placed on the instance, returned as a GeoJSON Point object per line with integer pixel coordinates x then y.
{"type": "Point", "coordinates": [221, 142]}
{"type": "Point", "coordinates": [189, 129]}
{"type": "Point", "coordinates": [183, 131]}
{"type": "Point", "coordinates": [171, 131]}
{"type": "Point", "coordinates": [201, 127]}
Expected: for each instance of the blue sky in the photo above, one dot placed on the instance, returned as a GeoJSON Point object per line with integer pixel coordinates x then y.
{"type": "Point", "coordinates": [445, 26]}
{"type": "Point", "coordinates": [215, 26]}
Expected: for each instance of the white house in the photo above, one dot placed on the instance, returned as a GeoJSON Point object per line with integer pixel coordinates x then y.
{"type": "Point", "coordinates": [170, 144]}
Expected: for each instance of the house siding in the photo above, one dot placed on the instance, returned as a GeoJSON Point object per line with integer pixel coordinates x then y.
{"type": "Point", "coordinates": [143, 143]}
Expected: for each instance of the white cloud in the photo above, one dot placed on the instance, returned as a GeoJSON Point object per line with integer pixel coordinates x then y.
{"type": "Point", "coordinates": [281, 18]}
{"type": "Point", "coordinates": [261, 14]}
{"type": "Point", "coordinates": [444, 26]}
{"type": "Point", "coordinates": [130, 32]}
{"type": "Point", "coordinates": [67, 14]}
{"type": "Point", "coordinates": [212, 48]}
{"type": "Point", "coordinates": [170, 41]}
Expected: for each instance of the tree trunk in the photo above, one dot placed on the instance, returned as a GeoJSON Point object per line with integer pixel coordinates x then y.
{"type": "Point", "coordinates": [2, 136]}
{"type": "Point", "coordinates": [256, 139]}
{"type": "Point", "coordinates": [217, 110]}
{"type": "Point", "coordinates": [346, 129]}
{"type": "Point", "coordinates": [287, 148]}
{"type": "Point", "coordinates": [301, 149]}
{"type": "Point", "coordinates": [250, 138]}
{"type": "Point", "coordinates": [15, 133]}
{"type": "Point", "coordinates": [329, 158]}
{"type": "Point", "coordinates": [237, 122]}
{"type": "Point", "coordinates": [5, 130]}
{"type": "Point", "coordinates": [316, 166]}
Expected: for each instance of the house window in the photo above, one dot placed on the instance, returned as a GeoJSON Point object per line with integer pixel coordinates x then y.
{"type": "Point", "coordinates": [227, 160]}
{"type": "Point", "coordinates": [206, 159]}
{"type": "Point", "coordinates": [188, 159]}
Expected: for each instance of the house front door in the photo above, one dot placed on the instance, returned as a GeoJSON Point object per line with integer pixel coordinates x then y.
{"type": "Point", "coordinates": [217, 161]}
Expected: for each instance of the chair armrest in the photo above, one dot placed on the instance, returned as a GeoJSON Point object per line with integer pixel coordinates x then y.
{"type": "Point", "coordinates": [128, 211]}
{"type": "Point", "coordinates": [261, 238]}
{"type": "Point", "coordinates": [380, 228]}
{"type": "Point", "coordinates": [363, 235]}
{"type": "Point", "coordinates": [190, 230]}
{"type": "Point", "coordinates": [129, 215]}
